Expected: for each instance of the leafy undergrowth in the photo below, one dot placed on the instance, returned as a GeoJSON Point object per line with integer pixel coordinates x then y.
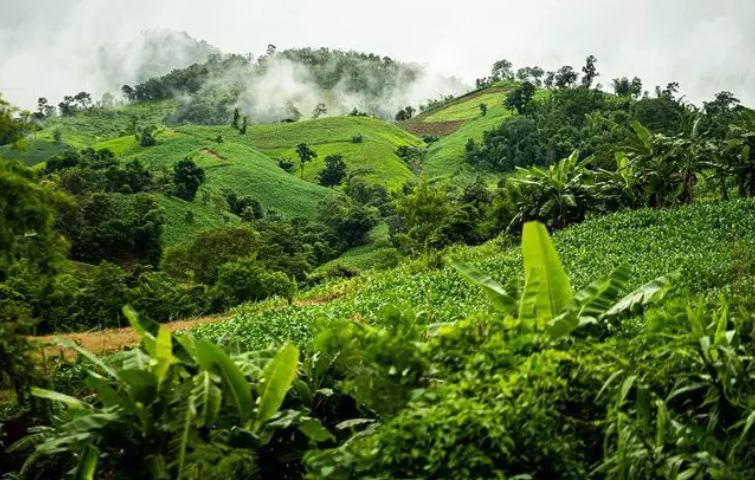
{"type": "Point", "coordinates": [709, 243]}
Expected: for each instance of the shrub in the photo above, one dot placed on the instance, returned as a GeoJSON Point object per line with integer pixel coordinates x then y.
{"type": "Point", "coordinates": [247, 281]}
{"type": "Point", "coordinates": [199, 259]}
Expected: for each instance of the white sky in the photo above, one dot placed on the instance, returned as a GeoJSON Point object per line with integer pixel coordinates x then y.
{"type": "Point", "coordinates": [706, 45]}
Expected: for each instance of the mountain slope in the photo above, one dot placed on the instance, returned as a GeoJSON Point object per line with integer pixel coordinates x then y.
{"type": "Point", "coordinates": [229, 168]}
{"type": "Point", "coordinates": [87, 128]}
{"type": "Point", "coordinates": [327, 136]}
{"type": "Point", "coordinates": [456, 122]}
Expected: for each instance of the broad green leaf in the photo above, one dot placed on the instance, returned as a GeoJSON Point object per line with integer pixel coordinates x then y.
{"type": "Point", "coordinates": [88, 355]}
{"type": "Point", "coordinates": [354, 422]}
{"type": "Point", "coordinates": [69, 401]}
{"type": "Point", "coordinates": [540, 255]}
{"type": "Point", "coordinates": [314, 430]}
{"type": "Point", "coordinates": [663, 421]}
{"type": "Point", "coordinates": [163, 353]}
{"type": "Point", "coordinates": [528, 300]}
{"type": "Point", "coordinates": [748, 425]}
{"type": "Point", "coordinates": [495, 292]}
{"type": "Point", "coordinates": [88, 463]}
{"type": "Point", "coordinates": [625, 388]}
{"type": "Point", "coordinates": [650, 292]}
{"type": "Point", "coordinates": [208, 398]}
{"type": "Point", "coordinates": [142, 385]}
{"type": "Point", "coordinates": [563, 325]}
{"type": "Point", "coordinates": [720, 338]}
{"type": "Point", "coordinates": [140, 328]}
{"type": "Point", "coordinates": [590, 303]}
{"type": "Point", "coordinates": [234, 381]}
{"type": "Point", "coordinates": [188, 414]}
{"type": "Point", "coordinates": [276, 380]}
{"type": "Point", "coordinates": [608, 382]}
{"type": "Point", "coordinates": [642, 133]}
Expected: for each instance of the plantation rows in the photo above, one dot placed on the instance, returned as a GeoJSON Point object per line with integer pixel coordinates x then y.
{"type": "Point", "coordinates": [709, 243]}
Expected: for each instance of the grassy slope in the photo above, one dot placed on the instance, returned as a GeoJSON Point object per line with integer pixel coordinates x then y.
{"type": "Point", "coordinates": [364, 258]}
{"type": "Point", "coordinates": [228, 167]}
{"type": "Point", "coordinates": [178, 227]}
{"type": "Point", "coordinates": [709, 243]}
{"type": "Point", "coordinates": [88, 128]}
{"type": "Point", "coordinates": [445, 158]}
{"type": "Point", "coordinates": [327, 136]}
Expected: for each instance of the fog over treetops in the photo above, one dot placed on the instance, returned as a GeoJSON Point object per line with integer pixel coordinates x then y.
{"type": "Point", "coordinates": [55, 47]}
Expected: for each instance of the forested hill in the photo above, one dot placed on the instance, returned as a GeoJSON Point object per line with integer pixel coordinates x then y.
{"type": "Point", "coordinates": [292, 84]}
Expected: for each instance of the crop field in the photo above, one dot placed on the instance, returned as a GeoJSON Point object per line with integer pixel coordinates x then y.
{"type": "Point", "coordinates": [708, 243]}
{"type": "Point", "coordinates": [468, 109]}
{"type": "Point", "coordinates": [327, 136]}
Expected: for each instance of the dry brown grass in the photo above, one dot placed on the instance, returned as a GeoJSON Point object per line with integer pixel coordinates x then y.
{"type": "Point", "coordinates": [111, 340]}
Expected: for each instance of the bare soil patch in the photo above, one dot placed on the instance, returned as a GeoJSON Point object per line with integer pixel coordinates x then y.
{"type": "Point", "coordinates": [212, 153]}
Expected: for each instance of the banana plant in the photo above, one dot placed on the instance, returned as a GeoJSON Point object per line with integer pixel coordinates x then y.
{"type": "Point", "coordinates": [166, 397]}
{"type": "Point", "coordinates": [547, 300]}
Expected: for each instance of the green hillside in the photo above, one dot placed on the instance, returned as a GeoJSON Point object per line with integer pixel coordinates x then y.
{"type": "Point", "coordinates": [88, 128]}
{"type": "Point", "coordinates": [229, 167]}
{"type": "Point", "coordinates": [456, 122]}
{"type": "Point", "coordinates": [327, 136]}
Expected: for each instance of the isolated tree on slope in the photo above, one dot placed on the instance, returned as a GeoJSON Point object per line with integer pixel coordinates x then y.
{"type": "Point", "coordinates": [236, 118]}
{"type": "Point", "coordinates": [590, 71]}
{"type": "Point", "coordinates": [319, 110]}
{"type": "Point", "coordinates": [306, 155]}
{"type": "Point", "coordinates": [521, 97]}
{"type": "Point", "coordinates": [502, 70]}
{"type": "Point", "coordinates": [335, 171]}
{"type": "Point", "coordinates": [187, 177]}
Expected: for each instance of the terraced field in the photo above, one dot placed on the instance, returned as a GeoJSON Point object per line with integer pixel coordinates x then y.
{"type": "Point", "coordinates": [327, 136]}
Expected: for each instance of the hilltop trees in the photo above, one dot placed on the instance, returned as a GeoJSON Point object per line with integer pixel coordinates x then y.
{"type": "Point", "coordinates": [405, 114]}
{"type": "Point", "coordinates": [531, 74]}
{"type": "Point", "coordinates": [335, 171]}
{"type": "Point", "coordinates": [502, 70]}
{"type": "Point", "coordinates": [566, 77]}
{"type": "Point", "coordinates": [187, 177]}
{"type": "Point", "coordinates": [12, 129]}
{"type": "Point", "coordinates": [623, 87]}
{"type": "Point", "coordinates": [520, 98]}
{"type": "Point", "coordinates": [305, 155]}
{"type": "Point", "coordinates": [590, 72]}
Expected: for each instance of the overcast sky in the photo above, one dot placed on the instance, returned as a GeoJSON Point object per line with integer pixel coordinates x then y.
{"type": "Point", "coordinates": [46, 46]}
